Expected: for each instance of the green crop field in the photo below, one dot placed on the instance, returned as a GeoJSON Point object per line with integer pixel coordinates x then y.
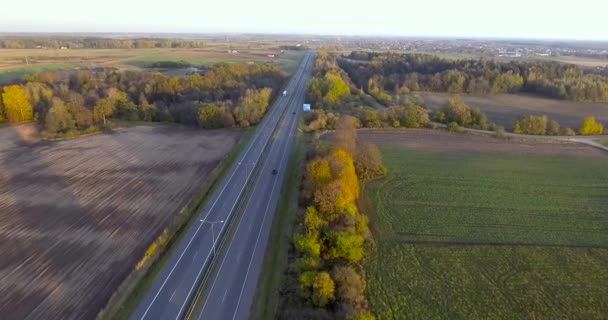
{"type": "Point", "coordinates": [488, 236]}
{"type": "Point", "coordinates": [15, 63]}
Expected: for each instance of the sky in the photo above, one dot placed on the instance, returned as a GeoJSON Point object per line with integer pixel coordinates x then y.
{"type": "Point", "coordinates": [535, 19]}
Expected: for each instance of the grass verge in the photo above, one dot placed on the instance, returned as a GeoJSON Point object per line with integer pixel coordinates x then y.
{"type": "Point", "coordinates": [127, 297]}
{"type": "Point", "coordinates": [275, 258]}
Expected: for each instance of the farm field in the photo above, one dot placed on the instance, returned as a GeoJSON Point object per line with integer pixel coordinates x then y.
{"type": "Point", "coordinates": [516, 231]}
{"type": "Point", "coordinates": [504, 109]}
{"type": "Point", "coordinates": [15, 63]}
{"type": "Point", "coordinates": [77, 215]}
{"type": "Point", "coordinates": [581, 61]}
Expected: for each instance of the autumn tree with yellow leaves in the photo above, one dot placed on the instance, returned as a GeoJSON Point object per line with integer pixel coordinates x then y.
{"type": "Point", "coordinates": [333, 232]}
{"type": "Point", "coordinates": [17, 106]}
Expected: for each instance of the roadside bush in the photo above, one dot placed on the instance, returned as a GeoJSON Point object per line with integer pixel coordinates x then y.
{"type": "Point", "coordinates": [535, 125]}
{"type": "Point", "coordinates": [453, 127]}
{"type": "Point", "coordinates": [368, 162]}
{"type": "Point", "coordinates": [350, 286]}
{"type": "Point", "coordinates": [439, 117]}
{"type": "Point", "coordinates": [370, 119]}
{"type": "Point", "coordinates": [407, 116]}
{"type": "Point", "coordinates": [567, 132]}
{"type": "Point", "coordinates": [323, 289]}
{"type": "Point", "coordinates": [500, 132]}
{"type": "Point", "coordinates": [480, 120]}
{"type": "Point", "coordinates": [553, 128]}
{"type": "Point", "coordinates": [457, 111]}
{"type": "Point", "coordinates": [343, 245]}
{"type": "Point", "coordinates": [591, 127]}
{"type": "Point", "coordinates": [320, 120]}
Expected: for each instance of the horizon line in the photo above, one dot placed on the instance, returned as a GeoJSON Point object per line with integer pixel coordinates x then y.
{"type": "Point", "coordinates": [269, 33]}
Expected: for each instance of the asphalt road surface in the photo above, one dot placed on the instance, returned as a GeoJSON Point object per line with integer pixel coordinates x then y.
{"type": "Point", "coordinates": [233, 287]}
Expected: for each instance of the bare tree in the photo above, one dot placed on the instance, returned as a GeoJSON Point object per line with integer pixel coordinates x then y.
{"type": "Point", "coordinates": [346, 134]}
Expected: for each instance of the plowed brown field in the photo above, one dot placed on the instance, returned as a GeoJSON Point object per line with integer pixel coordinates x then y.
{"type": "Point", "coordinates": [77, 215]}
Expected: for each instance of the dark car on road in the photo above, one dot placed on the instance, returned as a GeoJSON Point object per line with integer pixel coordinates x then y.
{"type": "Point", "coordinates": [274, 171]}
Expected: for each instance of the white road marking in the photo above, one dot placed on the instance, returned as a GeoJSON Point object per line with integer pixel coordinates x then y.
{"type": "Point", "coordinates": [223, 225]}
{"type": "Point", "coordinates": [196, 232]}
{"type": "Point", "coordinates": [259, 234]}
{"type": "Point", "coordinates": [171, 299]}
{"type": "Point", "coordinates": [232, 242]}
{"type": "Point", "coordinates": [224, 298]}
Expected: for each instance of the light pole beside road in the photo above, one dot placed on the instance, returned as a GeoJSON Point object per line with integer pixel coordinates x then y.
{"type": "Point", "coordinates": [212, 233]}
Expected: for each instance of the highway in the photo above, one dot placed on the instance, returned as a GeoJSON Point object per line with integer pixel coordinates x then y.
{"type": "Point", "coordinates": [233, 286]}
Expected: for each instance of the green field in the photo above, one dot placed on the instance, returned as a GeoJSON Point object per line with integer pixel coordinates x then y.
{"type": "Point", "coordinates": [18, 73]}
{"type": "Point", "coordinates": [15, 63]}
{"type": "Point", "coordinates": [488, 236]}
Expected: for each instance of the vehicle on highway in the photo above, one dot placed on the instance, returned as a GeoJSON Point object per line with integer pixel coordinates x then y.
{"type": "Point", "coordinates": [274, 171]}
{"type": "Point", "coordinates": [293, 112]}
{"type": "Point", "coordinates": [284, 93]}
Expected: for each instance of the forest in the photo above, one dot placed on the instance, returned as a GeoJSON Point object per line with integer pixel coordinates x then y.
{"type": "Point", "coordinates": [72, 102]}
{"type": "Point", "coordinates": [333, 93]}
{"type": "Point", "coordinates": [383, 75]}
{"type": "Point", "coordinates": [95, 43]}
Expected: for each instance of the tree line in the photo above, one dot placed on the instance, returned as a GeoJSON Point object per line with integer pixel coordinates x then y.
{"type": "Point", "coordinates": [331, 236]}
{"type": "Point", "coordinates": [543, 125]}
{"type": "Point", "coordinates": [223, 95]}
{"type": "Point", "coordinates": [384, 75]}
{"type": "Point", "coordinates": [95, 43]}
{"type": "Point", "coordinates": [333, 93]}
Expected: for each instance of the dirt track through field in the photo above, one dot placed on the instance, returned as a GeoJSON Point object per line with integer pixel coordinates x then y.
{"type": "Point", "coordinates": [76, 216]}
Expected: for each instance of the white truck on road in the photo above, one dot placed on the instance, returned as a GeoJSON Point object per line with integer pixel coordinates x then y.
{"type": "Point", "coordinates": [284, 93]}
